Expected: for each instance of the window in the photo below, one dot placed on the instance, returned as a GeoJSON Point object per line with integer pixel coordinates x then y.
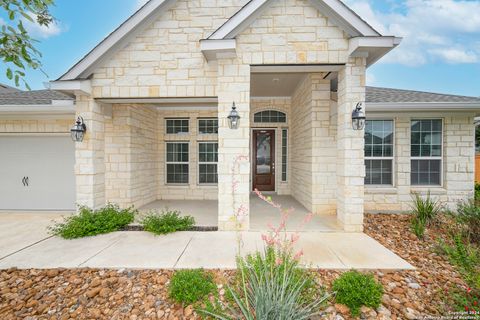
{"type": "Point", "coordinates": [426, 152]}
{"type": "Point", "coordinates": [208, 126]}
{"type": "Point", "coordinates": [177, 126]}
{"type": "Point", "coordinates": [270, 116]}
{"type": "Point", "coordinates": [207, 162]}
{"type": "Point", "coordinates": [284, 154]}
{"type": "Point", "coordinates": [379, 152]}
{"type": "Point", "coordinates": [177, 162]}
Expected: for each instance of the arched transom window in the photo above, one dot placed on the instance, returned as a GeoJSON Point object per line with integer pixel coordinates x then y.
{"type": "Point", "coordinates": [270, 116]}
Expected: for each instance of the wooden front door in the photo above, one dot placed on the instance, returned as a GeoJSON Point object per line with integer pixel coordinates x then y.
{"type": "Point", "coordinates": [264, 160]}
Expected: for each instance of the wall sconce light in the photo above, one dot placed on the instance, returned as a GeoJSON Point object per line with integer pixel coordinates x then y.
{"type": "Point", "coordinates": [78, 130]}
{"type": "Point", "coordinates": [234, 118]}
{"type": "Point", "coordinates": [358, 117]}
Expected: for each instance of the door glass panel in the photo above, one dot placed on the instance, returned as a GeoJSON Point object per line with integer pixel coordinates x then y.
{"type": "Point", "coordinates": [263, 153]}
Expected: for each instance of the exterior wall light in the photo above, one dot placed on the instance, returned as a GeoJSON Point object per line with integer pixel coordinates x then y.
{"type": "Point", "coordinates": [358, 117]}
{"type": "Point", "coordinates": [78, 130]}
{"type": "Point", "coordinates": [234, 118]}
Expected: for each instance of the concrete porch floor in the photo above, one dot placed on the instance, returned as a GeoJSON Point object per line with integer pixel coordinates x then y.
{"type": "Point", "coordinates": [261, 214]}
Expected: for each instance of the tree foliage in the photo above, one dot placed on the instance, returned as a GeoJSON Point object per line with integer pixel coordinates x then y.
{"type": "Point", "coordinates": [17, 47]}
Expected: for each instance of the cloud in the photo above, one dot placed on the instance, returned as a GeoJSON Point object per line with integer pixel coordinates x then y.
{"type": "Point", "coordinates": [432, 30]}
{"type": "Point", "coordinates": [371, 79]}
{"type": "Point", "coordinates": [43, 32]}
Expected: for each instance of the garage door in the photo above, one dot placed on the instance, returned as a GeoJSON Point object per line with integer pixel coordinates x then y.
{"type": "Point", "coordinates": [37, 173]}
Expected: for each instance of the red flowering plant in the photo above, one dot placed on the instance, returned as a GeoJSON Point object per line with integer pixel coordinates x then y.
{"type": "Point", "coordinates": [466, 300]}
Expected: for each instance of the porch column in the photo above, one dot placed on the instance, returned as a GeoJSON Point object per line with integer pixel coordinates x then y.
{"type": "Point", "coordinates": [350, 147]}
{"type": "Point", "coordinates": [233, 146]}
{"type": "Point", "coordinates": [90, 155]}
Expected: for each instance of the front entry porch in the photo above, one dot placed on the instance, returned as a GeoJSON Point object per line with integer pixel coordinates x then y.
{"type": "Point", "coordinates": [205, 213]}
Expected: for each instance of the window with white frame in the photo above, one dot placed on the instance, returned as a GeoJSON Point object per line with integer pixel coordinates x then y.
{"type": "Point", "coordinates": [177, 162]}
{"type": "Point", "coordinates": [208, 162]}
{"type": "Point", "coordinates": [426, 152]}
{"type": "Point", "coordinates": [208, 126]}
{"type": "Point", "coordinates": [270, 116]}
{"type": "Point", "coordinates": [284, 154]}
{"type": "Point", "coordinates": [379, 152]}
{"type": "Point", "coordinates": [177, 126]}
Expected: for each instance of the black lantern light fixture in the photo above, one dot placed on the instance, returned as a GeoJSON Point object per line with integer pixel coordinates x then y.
{"type": "Point", "coordinates": [358, 117]}
{"type": "Point", "coordinates": [78, 130]}
{"type": "Point", "coordinates": [234, 118]}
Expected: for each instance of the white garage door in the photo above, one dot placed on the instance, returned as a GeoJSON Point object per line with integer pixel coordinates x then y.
{"type": "Point", "coordinates": [37, 173]}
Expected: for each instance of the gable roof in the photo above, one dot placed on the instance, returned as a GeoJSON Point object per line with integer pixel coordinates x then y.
{"type": "Point", "coordinates": [388, 95]}
{"type": "Point", "coordinates": [338, 12]}
{"type": "Point", "coordinates": [36, 97]}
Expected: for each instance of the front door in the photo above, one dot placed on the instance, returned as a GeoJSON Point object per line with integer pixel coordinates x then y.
{"type": "Point", "coordinates": [264, 160]}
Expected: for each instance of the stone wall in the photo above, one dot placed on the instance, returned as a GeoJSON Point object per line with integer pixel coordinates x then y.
{"type": "Point", "coordinates": [458, 165]}
{"type": "Point", "coordinates": [36, 125]}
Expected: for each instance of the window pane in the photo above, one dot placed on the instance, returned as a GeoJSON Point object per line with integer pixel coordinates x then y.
{"type": "Point", "coordinates": [208, 173]}
{"type": "Point", "coordinates": [379, 138]}
{"type": "Point", "coordinates": [378, 172]}
{"type": "Point", "coordinates": [426, 172]}
{"type": "Point", "coordinates": [270, 116]}
{"type": "Point", "coordinates": [284, 154]}
{"type": "Point", "coordinates": [177, 173]}
{"type": "Point", "coordinates": [426, 138]}
{"type": "Point", "coordinates": [208, 126]}
{"type": "Point", "coordinates": [176, 126]}
{"type": "Point", "coordinates": [207, 157]}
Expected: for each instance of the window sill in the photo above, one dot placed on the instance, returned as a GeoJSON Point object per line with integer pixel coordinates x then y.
{"type": "Point", "coordinates": [380, 189]}
{"type": "Point", "coordinates": [180, 185]}
{"type": "Point", "coordinates": [434, 190]}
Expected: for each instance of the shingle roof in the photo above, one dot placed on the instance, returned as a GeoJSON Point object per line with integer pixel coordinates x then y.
{"type": "Point", "coordinates": [37, 97]}
{"type": "Point", "coordinates": [7, 88]}
{"type": "Point", "coordinates": [387, 95]}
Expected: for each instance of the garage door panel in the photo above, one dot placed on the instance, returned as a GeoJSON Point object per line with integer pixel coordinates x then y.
{"type": "Point", "coordinates": [48, 162]}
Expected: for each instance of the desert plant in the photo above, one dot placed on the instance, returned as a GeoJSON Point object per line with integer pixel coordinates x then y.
{"type": "Point", "coordinates": [90, 222]}
{"type": "Point", "coordinates": [355, 289]}
{"type": "Point", "coordinates": [191, 286]}
{"type": "Point", "coordinates": [468, 215]}
{"type": "Point", "coordinates": [167, 222]}
{"type": "Point", "coordinates": [424, 211]}
{"type": "Point", "coordinates": [270, 288]}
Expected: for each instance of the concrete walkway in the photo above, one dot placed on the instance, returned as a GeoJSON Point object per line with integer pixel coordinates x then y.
{"type": "Point", "coordinates": [24, 243]}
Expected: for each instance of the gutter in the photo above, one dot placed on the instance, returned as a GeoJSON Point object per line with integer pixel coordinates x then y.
{"type": "Point", "coordinates": [422, 106]}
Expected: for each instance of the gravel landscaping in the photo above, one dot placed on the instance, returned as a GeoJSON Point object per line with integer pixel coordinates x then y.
{"type": "Point", "coordinates": [140, 294]}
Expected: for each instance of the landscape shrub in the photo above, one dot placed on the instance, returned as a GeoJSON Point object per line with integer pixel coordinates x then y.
{"type": "Point", "coordinates": [424, 210]}
{"type": "Point", "coordinates": [355, 290]}
{"type": "Point", "coordinates": [191, 286]}
{"type": "Point", "coordinates": [167, 222]}
{"type": "Point", "coordinates": [272, 286]}
{"type": "Point", "coordinates": [465, 300]}
{"type": "Point", "coordinates": [468, 215]}
{"type": "Point", "coordinates": [477, 192]}
{"type": "Point", "coordinates": [88, 222]}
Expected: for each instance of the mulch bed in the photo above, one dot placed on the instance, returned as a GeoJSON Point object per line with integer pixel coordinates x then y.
{"type": "Point", "coordinates": [142, 294]}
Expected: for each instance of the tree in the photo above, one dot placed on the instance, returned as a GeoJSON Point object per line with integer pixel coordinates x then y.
{"type": "Point", "coordinates": [17, 48]}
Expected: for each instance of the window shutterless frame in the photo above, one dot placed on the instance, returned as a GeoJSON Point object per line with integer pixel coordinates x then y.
{"type": "Point", "coordinates": [208, 124]}
{"type": "Point", "coordinates": [200, 163]}
{"type": "Point", "coordinates": [167, 143]}
{"type": "Point", "coordinates": [389, 158]}
{"type": "Point", "coordinates": [440, 158]}
{"type": "Point", "coordinates": [284, 155]}
{"type": "Point", "coordinates": [179, 126]}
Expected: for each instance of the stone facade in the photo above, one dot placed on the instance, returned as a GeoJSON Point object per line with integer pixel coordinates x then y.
{"type": "Point", "coordinates": [457, 162]}
{"type": "Point", "coordinates": [43, 126]}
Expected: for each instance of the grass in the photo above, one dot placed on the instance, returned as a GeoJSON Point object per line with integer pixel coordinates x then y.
{"type": "Point", "coordinates": [90, 222]}
{"type": "Point", "coordinates": [468, 216]}
{"type": "Point", "coordinates": [191, 286]}
{"type": "Point", "coordinates": [167, 222]}
{"type": "Point", "coordinates": [355, 289]}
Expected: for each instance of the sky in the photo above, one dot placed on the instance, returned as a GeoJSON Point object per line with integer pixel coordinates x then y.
{"type": "Point", "coordinates": [440, 51]}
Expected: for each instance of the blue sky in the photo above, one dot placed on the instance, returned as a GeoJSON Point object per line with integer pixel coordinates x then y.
{"type": "Point", "coordinates": [440, 51]}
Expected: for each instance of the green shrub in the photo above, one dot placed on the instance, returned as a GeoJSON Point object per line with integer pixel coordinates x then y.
{"type": "Point", "coordinates": [191, 286]}
{"type": "Point", "coordinates": [167, 222]}
{"type": "Point", "coordinates": [462, 300]}
{"type": "Point", "coordinates": [90, 222]}
{"type": "Point", "coordinates": [270, 287]}
{"type": "Point", "coordinates": [355, 290]}
{"type": "Point", "coordinates": [468, 215]}
{"type": "Point", "coordinates": [477, 192]}
{"type": "Point", "coordinates": [424, 210]}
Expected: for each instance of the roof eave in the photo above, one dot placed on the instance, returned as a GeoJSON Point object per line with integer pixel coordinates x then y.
{"type": "Point", "coordinates": [396, 107]}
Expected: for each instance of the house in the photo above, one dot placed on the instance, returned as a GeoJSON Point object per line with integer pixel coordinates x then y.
{"type": "Point", "coordinates": [155, 101]}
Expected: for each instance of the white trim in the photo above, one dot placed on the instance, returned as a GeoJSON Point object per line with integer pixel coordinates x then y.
{"type": "Point", "coordinates": [167, 101]}
{"type": "Point", "coordinates": [186, 184]}
{"type": "Point", "coordinates": [122, 34]}
{"type": "Point", "coordinates": [421, 106]}
{"type": "Point", "coordinates": [392, 158]}
{"type": "Point", "coordinates": [199, 163]}
{"type": "Point", "coordinates": [241, 20]}
{"type": "Point", "coordinates": [75, 86]}
{"type": "Point", "coordinates": [372, 48]}
{"type": "Point", "coordinates": [214, 49]}
{"type": "Point", "coordinates": [310, 68]}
